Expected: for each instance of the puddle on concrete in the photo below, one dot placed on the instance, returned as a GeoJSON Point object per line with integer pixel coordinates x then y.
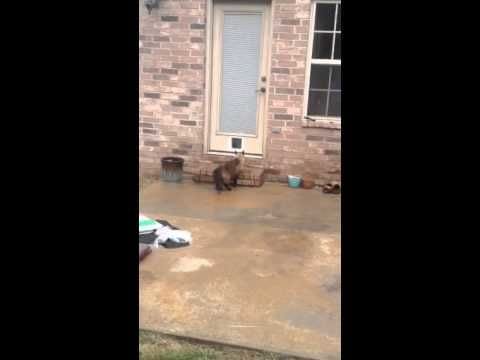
{"type": "Point", "coordinates": [271, 204]}
{"type": "Point", "coordinates": [189, 264]}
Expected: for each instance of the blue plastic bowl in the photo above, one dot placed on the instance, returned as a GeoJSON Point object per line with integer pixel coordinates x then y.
{"type": "Point", "coordinates": [294, 181]}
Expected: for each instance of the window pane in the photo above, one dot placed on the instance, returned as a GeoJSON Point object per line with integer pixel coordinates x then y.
{"type": "Point", "coordinates": [317, 103]}
{"type": "Point", "coordinates": [240, 67]}
{"type": "Point", "coordinates": [325, 17]}
{"type": "Point", "coordinates": [339, 18]}
{"type": "Point", "coordinates": [336, 82]}
{"type": "Point", "coordinates": [338, 47]}
{"type": "Point", "coordinates": [334, 104]}
{"type": "Point", "coordinates": [322, 46]}
{"type": "Point", "coordinates": [319, 77]}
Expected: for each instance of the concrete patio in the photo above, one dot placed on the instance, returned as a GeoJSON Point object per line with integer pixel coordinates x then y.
{"type": "Point", "coordinates": [263, 270]}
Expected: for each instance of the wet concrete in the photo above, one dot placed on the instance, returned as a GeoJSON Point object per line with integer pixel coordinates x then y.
{"type": "Point", "coordinates": [263, 270]}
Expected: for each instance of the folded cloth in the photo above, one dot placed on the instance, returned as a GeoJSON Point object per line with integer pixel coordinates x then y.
{"type": "Point", "coordinates": [167, 235]}
{"type": "Point", "coordinates": [171, 238]}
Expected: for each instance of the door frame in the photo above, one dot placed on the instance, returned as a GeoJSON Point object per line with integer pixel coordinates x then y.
{"type": "Point", "coordinates": [208, 78]}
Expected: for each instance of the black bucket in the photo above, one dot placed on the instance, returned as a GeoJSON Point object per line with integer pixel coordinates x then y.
{"type": "Point", "coordinates": [172, 169]}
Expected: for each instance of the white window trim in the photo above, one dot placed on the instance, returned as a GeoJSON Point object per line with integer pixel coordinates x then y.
{"type": "Point", "coordinates": [320, 121]}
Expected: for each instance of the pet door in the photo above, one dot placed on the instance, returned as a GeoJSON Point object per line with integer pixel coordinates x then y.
{"type": "Point", "coordinates": [236, 143]}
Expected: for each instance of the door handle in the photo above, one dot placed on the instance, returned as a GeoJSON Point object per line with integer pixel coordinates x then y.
{"type": "Point", "coordinates": [262, 89]}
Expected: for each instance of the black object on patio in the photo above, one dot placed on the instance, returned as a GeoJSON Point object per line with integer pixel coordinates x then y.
{"type": "Point", "coordinates": [172, 169]}
{"type": "Point", "coordinates": [143, 251]}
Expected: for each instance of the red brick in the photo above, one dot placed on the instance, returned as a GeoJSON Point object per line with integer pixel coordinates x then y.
{"type": "Point", "coordinates": [189, 5]}
{"type": "Point", "coordinates": [180, 116]}
{"type": "Point", "coordinates": [161, 38]}
{"type": "Point", "coordinates": [284, 91]}
{"type": "Point", "coordinates": [187, 97]}
{"type": "Point", "coordinates": [287, 64]}
{"type": "Point", "coordinates": [180, 52]}
{"type": "Point", "coordinates": [179, 151]}
{"type": "Point", "coordinates": [180, 103]}
{"type": "Point", "coordinates": [332, 152]}
{"type": "Point", "coordinates": [170, 71]}
{"type": "Point", "coordinates": [283, 36]}
{"type": "Point", "coordinates": [179, 66]}
{"type": "Point", "coordinates": [169, 133]}
{"type": "Point", "coordinates": [169, 18]}
{"type": "Point", "coordinates": [301, 29]}
{"type": "Point", "coordinates": [280, 71]}
{"type": "Point", "coordinates": [278, 110]}
{"type": "Point", "coordinates": [283, 117]}
{"type": "Point", "coordinates": [290, 21]}
{"type": "Point", "coordinates": [333, 139]}
{"type": "Point", "coordinates": [300, 71]}
{"type": "Point", "coordinates": [276, 123]}
{"type": "Point", "coordinates": [283, 29]}
{"type": "Point", "coordinates": [179, 26]}
{"type": "Point", "coordinates": [301, 43]}
{"type": "Point", "coordinates": [282, 57]}
{"type": "Point", "coordinates": [161, 77]}
{"type": "Point", "coordinates": [149, 131]}
{"type": "Point", "coordinates": [150, 70]}
{"type": "Point", "coordinates": [161, 52]}
{"type": "Point", "coordinates": [151, 143]}
{"type": "Point", "coordinates": [150, 45]}
{"type": "Point", "coordinates": [152, 95]}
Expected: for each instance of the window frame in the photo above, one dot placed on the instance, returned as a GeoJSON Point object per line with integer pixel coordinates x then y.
{"type": "Point", "coordinates": [330, 121]}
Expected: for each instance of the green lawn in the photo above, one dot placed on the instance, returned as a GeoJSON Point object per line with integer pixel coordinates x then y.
{"type": "Point", "coordinates": [155, 346]}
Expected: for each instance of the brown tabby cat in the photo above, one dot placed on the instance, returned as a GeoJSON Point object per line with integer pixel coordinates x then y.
{"type": "Point", "coordinates": [227, 174]}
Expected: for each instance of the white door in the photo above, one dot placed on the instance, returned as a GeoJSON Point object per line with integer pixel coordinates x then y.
{"type": "Point", "coordinates": [239, 76]}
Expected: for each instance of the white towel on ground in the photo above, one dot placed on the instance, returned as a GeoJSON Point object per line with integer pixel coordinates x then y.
{"type": "Point", "coordinates": [166, 233]}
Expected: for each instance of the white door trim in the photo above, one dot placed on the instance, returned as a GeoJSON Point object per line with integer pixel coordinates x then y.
{"type": "Point", "coordinates": [208, 77]}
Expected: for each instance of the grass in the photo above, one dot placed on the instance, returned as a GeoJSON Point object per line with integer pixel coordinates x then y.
{"type": "Point", "coordinates": [181, 355]}
{"type": "Point", "coordinates": [155, 346]}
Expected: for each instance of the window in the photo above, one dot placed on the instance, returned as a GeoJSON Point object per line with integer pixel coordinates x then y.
{"type": "Point", "coordinates": [323, 98]}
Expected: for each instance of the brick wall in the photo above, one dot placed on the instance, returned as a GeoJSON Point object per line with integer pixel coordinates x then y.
{"type": "Point", "coordinates": [172, 92]}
